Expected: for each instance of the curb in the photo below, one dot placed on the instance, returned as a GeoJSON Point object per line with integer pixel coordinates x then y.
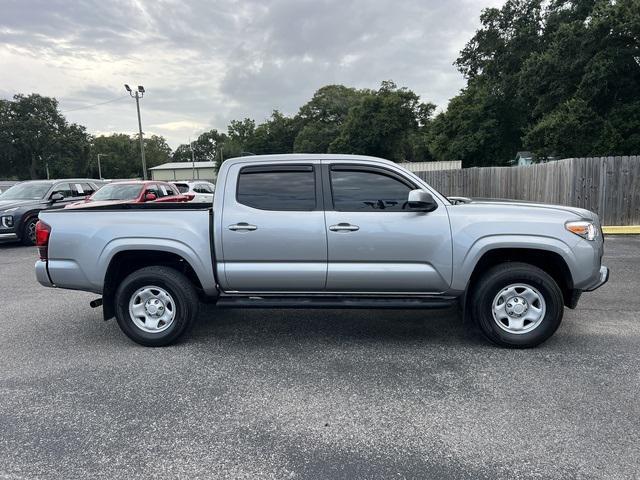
{"type": "Point", "coordinates": [622, 230]}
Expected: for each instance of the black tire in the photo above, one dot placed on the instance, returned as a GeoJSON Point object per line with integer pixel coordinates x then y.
{"type": "Point", "coordinates": [498, 278]}
{"type": "Point", "coordinates": [27, 235]}
{"type": "Point", "coordinates": [185, 304]}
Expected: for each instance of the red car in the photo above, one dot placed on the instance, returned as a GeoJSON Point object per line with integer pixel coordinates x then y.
{"type": "Point", "coordinates": [135, 191]}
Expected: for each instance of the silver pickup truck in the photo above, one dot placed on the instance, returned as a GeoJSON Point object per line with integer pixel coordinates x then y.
{"type": "Point", "coordinates": [337, 231]}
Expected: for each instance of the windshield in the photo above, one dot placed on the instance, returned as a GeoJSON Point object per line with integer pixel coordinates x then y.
{"type": "Point", "coordinates": [26, 191]}
{"type": "Point", "coordinates": [117, 192]}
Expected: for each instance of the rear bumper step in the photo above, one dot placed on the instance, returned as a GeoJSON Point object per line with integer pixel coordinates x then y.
{"type": "Point", "coordinates": [335, 302]}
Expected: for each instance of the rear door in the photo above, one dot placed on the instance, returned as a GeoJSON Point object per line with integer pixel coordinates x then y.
{"type": "Point", "coordinates": [166, 193]}
{"type": "Point", "coordinates": [374, 243]}
{"type": "Point", "coordinates": [273, 228]}
{"type": "Point", "coordinates": [82, 190]}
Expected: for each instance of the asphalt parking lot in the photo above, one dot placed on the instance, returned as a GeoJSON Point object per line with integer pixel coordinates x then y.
{"type": "Point", "coordinates": [317, 394]}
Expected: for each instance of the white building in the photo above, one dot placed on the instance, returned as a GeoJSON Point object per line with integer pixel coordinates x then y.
{"type": "Point", "coordinates": [184, 171]}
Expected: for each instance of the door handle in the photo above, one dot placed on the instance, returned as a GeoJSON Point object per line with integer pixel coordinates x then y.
{"type": "Point", "coordinates": [242, 227]}
{"type": "Point", "coordinates": [344, 227]}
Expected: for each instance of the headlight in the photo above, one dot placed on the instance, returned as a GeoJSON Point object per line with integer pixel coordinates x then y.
{"type": "Point", "coordinates": [583, 228]}
{"type": "Point", "coordinates": [7, 221]}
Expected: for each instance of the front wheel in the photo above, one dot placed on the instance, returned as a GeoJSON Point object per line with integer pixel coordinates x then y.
{"type": "Point", "coordinates": [28, 237]}
{"type": "Point", "coordinates": [156, 306]}
{"type": "Point", "coordinates": [517, 305]}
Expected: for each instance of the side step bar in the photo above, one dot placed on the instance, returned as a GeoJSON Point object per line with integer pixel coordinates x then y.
{"type": "Point", "coordinates": [252, 301]}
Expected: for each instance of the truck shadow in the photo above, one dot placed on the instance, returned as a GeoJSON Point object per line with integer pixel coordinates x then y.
{"type": "Point", "coordinates": [264, 326]}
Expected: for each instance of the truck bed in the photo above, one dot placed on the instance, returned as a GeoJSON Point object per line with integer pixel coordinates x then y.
{"type": "Point", "coordinates": [85, 241]}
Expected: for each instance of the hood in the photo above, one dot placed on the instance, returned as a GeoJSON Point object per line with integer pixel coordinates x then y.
{"type": "Point", "coordinates": [503, 202]}
{"type": "Point", "coordinates": [101, 203]}
{"type": "Point", "coordinates": [6, 204]}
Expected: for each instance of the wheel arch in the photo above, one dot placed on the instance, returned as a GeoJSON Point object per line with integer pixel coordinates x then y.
{"type": "Point", "coordinates": [549, 261]}
{"type": "Point", "coordinates": [126, 262]}
{"type": "Point", "coordinates": [26, 216]}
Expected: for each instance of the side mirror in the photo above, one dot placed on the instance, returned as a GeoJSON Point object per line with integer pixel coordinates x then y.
{"type": "Point", "coordinates": [149, 197]}
{"type": "Point", "coordinates": [421, 201]}
{"type": "Point", "coordinates": [56, 197]}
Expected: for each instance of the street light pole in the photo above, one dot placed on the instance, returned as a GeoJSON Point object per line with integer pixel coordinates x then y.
{"type": "Point", "coordinates": [193, 160]}
{"type": "Point", "coordinates": [100, 168]}
{"type": "Point", "coordinates": [138, 94]}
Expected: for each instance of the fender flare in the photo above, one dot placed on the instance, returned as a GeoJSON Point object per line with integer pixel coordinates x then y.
{"type": "Point", "coordinates": [467, 264]}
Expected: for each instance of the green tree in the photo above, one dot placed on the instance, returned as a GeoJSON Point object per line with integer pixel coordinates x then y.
{"type": "Point", "coordinates": [36, 135]}
{"type": "Point", "coordinates": [8, 153]}
{"type": "Point", "coordinates": [206, 148]}
{"type": "Point", "coordinates": [382, 124]}
{"type": "Point", "coordinates": [322, 117]}
{"type": "Point", "coordinates": [559, 77]}
{"type": "Point", "coordinates": [120, 156]}
{"type": "Point", "coordinates": [276, 135]}
{"type": "Point", "coordinates": [156, 150]}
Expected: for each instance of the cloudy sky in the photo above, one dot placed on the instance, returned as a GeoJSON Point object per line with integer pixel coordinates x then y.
{"type": "Point", "coordinates": [204, 62]}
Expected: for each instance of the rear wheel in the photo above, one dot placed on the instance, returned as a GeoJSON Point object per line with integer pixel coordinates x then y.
{"type": "Point", "coordinates": [156, 306]}
{"type": "Point", "coordinates": [28, 237]}
{"type": "Point", "coordinates": [517, 305]}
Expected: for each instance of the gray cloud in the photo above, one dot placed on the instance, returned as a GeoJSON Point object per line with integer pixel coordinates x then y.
{"type": "Point", "coordinates": [205, 62]}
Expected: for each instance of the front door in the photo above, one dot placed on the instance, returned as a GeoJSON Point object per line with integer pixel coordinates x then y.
{"type": "Point", "coordinates": [374, 243]}
{"type": "Point", "coordinates": [273, 229]}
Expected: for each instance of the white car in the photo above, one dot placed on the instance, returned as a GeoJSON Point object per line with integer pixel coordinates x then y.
{"type": "Point", "coordinates": [202, 191]}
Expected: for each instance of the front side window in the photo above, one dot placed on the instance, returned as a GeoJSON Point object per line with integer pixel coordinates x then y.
{"type": "Point", "coordinates": [182, 187]}
{"type": "Point", "coordinates": [289, 188]}
{"type": "Point", "coordinates": [367, 190]}
{"type": "Point", "coordinates": [153, 188]}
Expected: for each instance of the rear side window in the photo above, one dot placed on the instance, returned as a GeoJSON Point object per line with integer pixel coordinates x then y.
{"type": "Point", "coordinates": [290, 188]}
{"type": "Point", "coordinates": [64, 189]}
{"type": "Point", "coordinates": [82, 189]}
{"type": "Point", "coordinates": [364, 190]}
{"type": "Point", "coordinates": [164, 190]}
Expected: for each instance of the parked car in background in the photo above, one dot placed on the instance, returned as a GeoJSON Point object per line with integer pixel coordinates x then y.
{"type": "Point", "coordinates": [134, 191]}
{"type": "Point", "coordinates": [326, 231]}
{"type": "Point", "coordinates": [21, 203]}
{"type": "Point", "coordinates": [202, 191]}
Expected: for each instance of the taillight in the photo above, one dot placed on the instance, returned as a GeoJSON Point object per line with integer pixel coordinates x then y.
{"type": "Point", "coordinates": [43, 231]}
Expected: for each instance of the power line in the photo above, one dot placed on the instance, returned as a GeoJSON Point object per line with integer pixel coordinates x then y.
{"type": "Point", "coordinates": [93, 105]}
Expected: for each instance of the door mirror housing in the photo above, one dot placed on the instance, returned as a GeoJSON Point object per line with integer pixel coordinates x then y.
{"type": "Point", "coordinates": [421, 201]}
{"type": "Point", "coordinates": [149, 197]}
{"type": "Point", "coordinates": [56, 197]}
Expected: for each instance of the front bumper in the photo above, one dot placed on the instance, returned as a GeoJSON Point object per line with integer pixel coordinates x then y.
{"type": "Point", "coordinates": [602, 279]}
{"type": "Point", "coordinates": [8, 237]}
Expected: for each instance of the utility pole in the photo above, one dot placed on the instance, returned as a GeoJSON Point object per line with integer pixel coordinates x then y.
{"type": "Point", "coordinates": [138, 94]}
{"type": "Point", "coordinates": [193, 160]}
{"type": "Point", "coordinates": [99, 168]}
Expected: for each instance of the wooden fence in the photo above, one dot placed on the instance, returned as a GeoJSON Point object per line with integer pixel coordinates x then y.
{"type": "Point", "coordinates": [609, 186]}
{"type": "Point", "coordinates": [429, 166]}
